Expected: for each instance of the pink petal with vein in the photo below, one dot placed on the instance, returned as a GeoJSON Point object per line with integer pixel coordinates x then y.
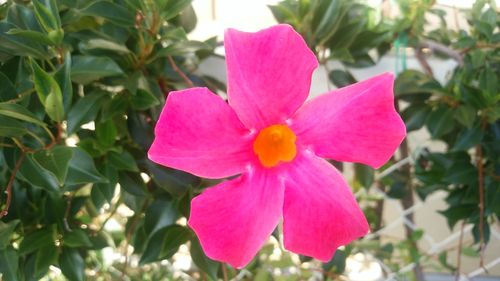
{"type": "Point", "coordinates": [357, 123]}
{"type": "Point", "coordinates": [199, 133]}
{"type": "Point", "coordinates": [320, 212]}
{"type": "Point", "coordinates": [235, 218]}
{"type": "Point", "coordinates": [269, 74]}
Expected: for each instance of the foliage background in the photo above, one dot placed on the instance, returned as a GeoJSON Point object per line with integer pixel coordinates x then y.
{"type": "Point", "coordinates": [82, 83]}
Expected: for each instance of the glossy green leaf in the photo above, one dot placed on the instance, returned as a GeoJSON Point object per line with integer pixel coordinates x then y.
{"type": "Point", "coordinates": [31, 35]}
{"type": "Point", "coordinates": [123, 161]}
{"type": "Point", "coordinates": [37, 240]}
{"type": "Point", "coordinates": [440, 121]}
{"type": "Point", "coordinates": [35, 175]}
{"type": "Point", "coordinates": [210, 267]}
{"type": "Point", "coordinates": [7, 91]}
{"type": "Point", "coordinates": [9, 263]}
{"type": "Point", "coordinates": [106, 133]}
{"type": "Point", "coordinates": [76, 238]}
{"type": "Point", "coordinates": [86, 69]}
{"type": "Point", "coordinates": [11, 127]}
{"type": "Point", "coordinates": [133, 184]}
{"type": "Point", "coordinates": [63, 79]}
{"type": "Point", "coordinates": [55, 160]}
{"type": "Point", "coordinates": [82, 169]}
{"type": "Point", "coordinates": [110, 11]}
{"type": "Point", "coordinates": [143, 100]}
{"type": "Point", "coordinates": [468, 138]}
{"type": "Point", "coordinates": [49, 93]}
{"type": "Point", "coordinates": [45, 257]}
{"type": "Point", "coordinates": [47, 15]}
{"type": "Point", "coordinates": [72, 264]}
{"type": "Point", "coordinates": [19, 112]}
{"type": "Point", "coordinates": [171, 8]}
{"type": "Point", "coordinates": [341, 78]}
{"type": "Point", "coordinates": [20, 46]}
{"type": "Point", "coordinates": [85, 110]}
{"type": "Point", "coordinates": [6, 230]}
{"type": "Point", "coordinates": [165, 243]}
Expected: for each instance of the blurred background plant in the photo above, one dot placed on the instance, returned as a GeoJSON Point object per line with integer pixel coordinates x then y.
{"type": "Point", "coordinates": [82, 83]}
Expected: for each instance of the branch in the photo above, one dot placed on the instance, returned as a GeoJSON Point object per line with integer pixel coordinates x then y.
{"type": "Point", "coordinates": [443, 49]}
{"type": "Point", "coordinates": [423, 62]}
{"type": "Point", "coordinates": [179, 71]}
{"type": "Point", "coordinates": [8, 189]}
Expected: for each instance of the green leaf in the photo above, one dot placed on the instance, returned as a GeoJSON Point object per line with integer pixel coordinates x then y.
{"type": "Point", "coordinates": [48, 17]}
{"type": "Point", "coordinates": [466, 115]}
{"type": "Point", "coordinates": [180, 48]}
{"type": "Point", "coordinates": [338, 262]}
{"type": "Point", "coordinates": [210, 267]}
{"type": "Point", "coordinates": [45, 256]}
{"type": "Point", "coordinates": [9, 263]}
{"type": "Point", "coordinates": [160, 213]}
{"type": "Point", "coordinates": [415, 116]}
{"type": "Point", "coordinates": [86, 69]}
{"type": "Point", "coordinates": [440, 122]}
{"type": "Point", "coordinates": [165, 243]}
{"type": "Point", "coordinates": [468, 138]}
{"type": "Point", "coordinates": [82, 169]}
{"type": "Point", "coordinates": [15, 45]}
{"type": "Point", "coordinates": [175, 182]}
{"type": "Point", "coordinates": [326, 17]}
{"type": "Point", "coordinates": [123, 161]}
{"type": "Point", "coordinates": [110, 11]}
{"type": "Point", "coordinates": [32, 173]}
{"type": "Point", "coordinates": [76, 238]}
{"type": "Point", "coordinates": [55, 160]}
{"type": "Point", "coordinates": [85, 110]}
{"type": "Point", "coordinates": [143, 100]}
{"type": "Point", "coordinates": [103, 44]}
{"type": "Point", "coordinates": [37, 240]}
{"type": "Point", "coordinates": [341, 78]}
{"type": "Point", "coordinates": [72, 264]}
{"type": "Point", "coordinates": [6, 230]}
{"type": "Point", "coordinates": [31, 35]}
{"type": "Point", "coordinates": [133, 184]}
{"type": "Point", "coordinates": [470, 252]}
{"type": "Point", "coordinates": [106, 133]}
{"type": "Point", "coordinates": [63, 78]}
{"type": "Point", "coordinates": [104, 192]}
{"type": "Point", "coordinates": [11, 127]}
{"type": "Point", "coordinates": [48, 92]}
{"type": "Point", "coordinates": [364, 175]}
{"type": "Point", "coordinates": [171, 8]}
{"type": "Point", "coordinates": [7, 91]}
{"type": "Point", "coordinates": [19, 112]}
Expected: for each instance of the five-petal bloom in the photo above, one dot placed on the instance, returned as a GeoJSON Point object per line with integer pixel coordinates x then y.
{"type": "Point", "coordinates": [275, 141]}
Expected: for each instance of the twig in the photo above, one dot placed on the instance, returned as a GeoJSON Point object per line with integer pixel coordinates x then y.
{"type": "Point", "coordinates": [224, 272]}
{"type": "Point", "coordinates": [459, 254]}
{"type": "Point", "coordinates": [181, 74]}
{"type": "Point", "coordinates": [479, 154]}
{"type": "Point", "coordinates": [423, 62]}
{"type": "Point", "coordinates": [8, 189]}
{"type": "Point", "coordinates": [66, 212]}
{"type": "Point", "coordinates": [440, 48]}
{"type": "Point", "coordinates": [408, 202]}
{"type": "Point", "coordinates": [130, 230]}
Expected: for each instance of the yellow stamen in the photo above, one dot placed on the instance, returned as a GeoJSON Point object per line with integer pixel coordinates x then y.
{"type": "Point", "coordinates": [275, 144]}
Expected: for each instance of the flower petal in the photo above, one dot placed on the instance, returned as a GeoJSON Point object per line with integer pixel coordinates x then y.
{"type": "Point", "coordinates": [357, 123]}
{"type": "Point", "coordinates": [199, 133]}
{"type": "Point", "coordinates": [320, 212]}
{"type": "Point", "coordinates": [234, 219]}
{"type": "Point", "coordinates": [268, 74]}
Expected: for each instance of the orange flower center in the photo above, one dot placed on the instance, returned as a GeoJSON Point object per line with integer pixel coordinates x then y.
{"type": "Point", "coordinates": [275, 144]}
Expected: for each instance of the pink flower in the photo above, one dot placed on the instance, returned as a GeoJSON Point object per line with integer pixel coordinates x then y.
{"type": "Point", "coordinates": [275, 141]}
